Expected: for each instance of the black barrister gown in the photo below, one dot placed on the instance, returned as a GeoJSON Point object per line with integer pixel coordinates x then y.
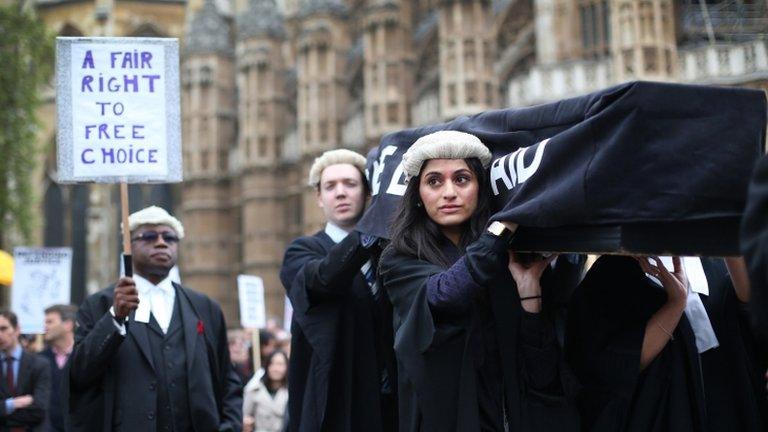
{"type": "Point", "coordinates": [734, 385]}
{"type": "Point", "coordinates": [754, 245]}
{"type": "Point", "coordinates": [465, 373]}
{"type": "Point", "coordinates": [606, 327]}
{"type": "Point", "coordinates": [341, 339]}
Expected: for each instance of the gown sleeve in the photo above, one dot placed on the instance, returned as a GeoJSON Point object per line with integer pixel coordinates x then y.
{"type": "Point", "coordinates": [754, 243]}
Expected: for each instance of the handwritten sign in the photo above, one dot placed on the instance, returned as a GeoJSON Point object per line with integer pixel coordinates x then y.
{"type": "Point", "coordinates": [42, 277]}
{"type": "Point", "coordinates": [253, 313]}
{"type": "Point", "coordinates": [118, 110]}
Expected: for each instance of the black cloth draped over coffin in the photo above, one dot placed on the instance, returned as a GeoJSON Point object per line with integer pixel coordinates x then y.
{"type": "Point", "coordinates": [642, 167]}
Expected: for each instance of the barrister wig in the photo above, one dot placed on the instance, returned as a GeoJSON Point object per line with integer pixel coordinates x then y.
{"type": "Point", "coordinates": [154, 215]}
{"type": "Point", "coordinates": [445, 144]}
{"type": "Point", "coordinates": [335, 157]}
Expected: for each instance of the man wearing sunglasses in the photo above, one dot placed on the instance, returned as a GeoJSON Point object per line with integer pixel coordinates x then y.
{"type": "Point", "coordinates": [151, 355]}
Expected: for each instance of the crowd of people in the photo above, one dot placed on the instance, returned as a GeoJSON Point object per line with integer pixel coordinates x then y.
{"type": "Point", "coordinates": [441, 328]}
{"type": "Point", "coordinates": [444, 327]}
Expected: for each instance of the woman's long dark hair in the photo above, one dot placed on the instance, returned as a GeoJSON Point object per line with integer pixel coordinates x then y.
{"type": "Point", "coordinates": [272, 385]}
{"type": "Point", "coordinates": [414, 233]}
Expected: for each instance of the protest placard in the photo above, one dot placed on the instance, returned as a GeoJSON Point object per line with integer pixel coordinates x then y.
{"type": "Point", "coordinates": [251, 295]}
{"type": "Point", "coordinates": [118, 110]}
{"type": "Point", "coordinates": [42, 277]}
{"type": "Point", "coordinates": [253, 314]}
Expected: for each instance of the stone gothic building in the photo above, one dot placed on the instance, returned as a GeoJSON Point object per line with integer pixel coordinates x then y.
{"type": "Point", "coordinates": [268, 85]}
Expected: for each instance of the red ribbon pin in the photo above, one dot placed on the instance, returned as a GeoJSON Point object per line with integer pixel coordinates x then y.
{"type": "Point", "coordinates": [200, 327]}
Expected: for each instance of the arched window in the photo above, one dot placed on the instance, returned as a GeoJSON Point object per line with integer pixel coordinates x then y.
{"type": "Point", "coordinates": [147, 30]}
{"type": "Point", "coordinates": [70, 30]}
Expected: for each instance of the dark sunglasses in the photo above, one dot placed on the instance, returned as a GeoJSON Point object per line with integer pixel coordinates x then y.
{"type": "Point", "coordinates": [151, 237]}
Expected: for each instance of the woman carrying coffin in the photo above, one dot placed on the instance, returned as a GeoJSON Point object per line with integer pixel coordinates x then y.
{"type": "Point", "coordinates": [659, 357]}
{"type": "Point", "coordinates": [474, 350]}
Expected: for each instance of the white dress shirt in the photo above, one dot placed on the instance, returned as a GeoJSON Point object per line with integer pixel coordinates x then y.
{"type": "Point", "coordinates": [157, 299]}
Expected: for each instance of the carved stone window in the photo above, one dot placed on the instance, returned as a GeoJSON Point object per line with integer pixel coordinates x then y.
{"type": "Point", "coordinates": [323, 130]}
{"type": "Point", "coordinates": [392, 37]}
{"type": "Point", "coordinates": [594, 21]}
{"type": "Point", "coordinates": [489, 95]}
{"type": "Point", "coordinates": [647, 32]}
{"type": "Point", "coordinates": [206, 76]}
{"type": "Point", "coordinates": [262, 146]}
{"type": "Point", "coordinates": [452, 97]}
{"type": "Point", "coordinates": [393, 77]}
{"type": "Point", "coordinates": [392, 113]}
{"type": "Point", "coordinates": [701, 63]}
{"type": "Point", "coordinates": [470, 55]}
{"type": "Point", "coordinates": [223, 161]}
{"type": "Point", "coordinates": [626, 25]}
{"type": "Point", "coordinates": [724, 60]}
{"type": "Point", "coordinates": [471, 92]}
{"type": "Point", "coordinates": [322, 61]}
{"type": "Point", "coordinates": [204, 160]}
{"type": "Point", "coordinates": [651, 60]}
{"type": "Point", "coordinates": [627, 57]}
{"type": "Point", "coordinates": [749, 58]}
{"type": "Point", "coordinates": [375, 115]}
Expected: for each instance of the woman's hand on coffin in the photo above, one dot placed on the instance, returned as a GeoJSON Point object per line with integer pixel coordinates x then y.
{"type": "Point", "coordinates": [674, 282]}
{"type": "Point", "coordinates": [527, 273]}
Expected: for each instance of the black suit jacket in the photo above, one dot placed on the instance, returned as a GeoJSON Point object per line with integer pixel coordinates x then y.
{"type": "Point", "coordinates": [55, 417]}
{"type": "Point", "coordinates": [112, 380]}
{"type": "Point", "coordinates": [34, 379]}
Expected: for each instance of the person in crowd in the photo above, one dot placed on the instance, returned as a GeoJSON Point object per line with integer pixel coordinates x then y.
{"type": "Point", "coordinates": [475, 349]}
{"type": "Point", "coordinates": [736, 400]}
{"type": "Point", "coordinates": [60, 339]}
{"type": "Point", "coordinates": [341, 366]}
{"type": "Point", "coordinates": [284, 342]}
{"type": "Point", "coordinates": [239, 353]}
{"type": "Point", "coordinates": [654, 355]}
{"type": "Point", "coordinates": [25, 390]}
{"type": "Point", "coordinates": [265, 398]}
{"type": "Point", "coordinates": [267, 344]}
{"type": "Point", "coordinates": [151, 355]}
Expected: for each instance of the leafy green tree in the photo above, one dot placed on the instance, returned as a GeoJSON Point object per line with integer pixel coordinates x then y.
{"type": "Point", "coordinates": [26, 60]}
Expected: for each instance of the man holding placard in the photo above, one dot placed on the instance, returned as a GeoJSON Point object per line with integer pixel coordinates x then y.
{"type": "Point", "coordinates": [342, 375]}
{"type": "Point", "coordinates": [174, 373]}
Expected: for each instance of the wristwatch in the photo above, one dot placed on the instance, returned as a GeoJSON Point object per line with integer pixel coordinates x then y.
{"type": "Point", "coordinates": [500, 230]}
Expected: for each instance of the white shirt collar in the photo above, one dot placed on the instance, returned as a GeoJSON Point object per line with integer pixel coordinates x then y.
{"type": "Point", "coordinates": [145, 287]}
{"type": "Point", "coordinates": [335, 233]}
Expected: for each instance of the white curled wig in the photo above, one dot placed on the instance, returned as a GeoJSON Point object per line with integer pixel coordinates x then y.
{"type": "Point", "coordinates": [155, 215]}
{"type": "Point", "coordinates": [334, 157]}
{"type": "Point", "coordinates": [447, 144]}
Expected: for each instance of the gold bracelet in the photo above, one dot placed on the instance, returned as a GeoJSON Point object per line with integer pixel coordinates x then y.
{"type": "Point", "coordinates": [665, 331]}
